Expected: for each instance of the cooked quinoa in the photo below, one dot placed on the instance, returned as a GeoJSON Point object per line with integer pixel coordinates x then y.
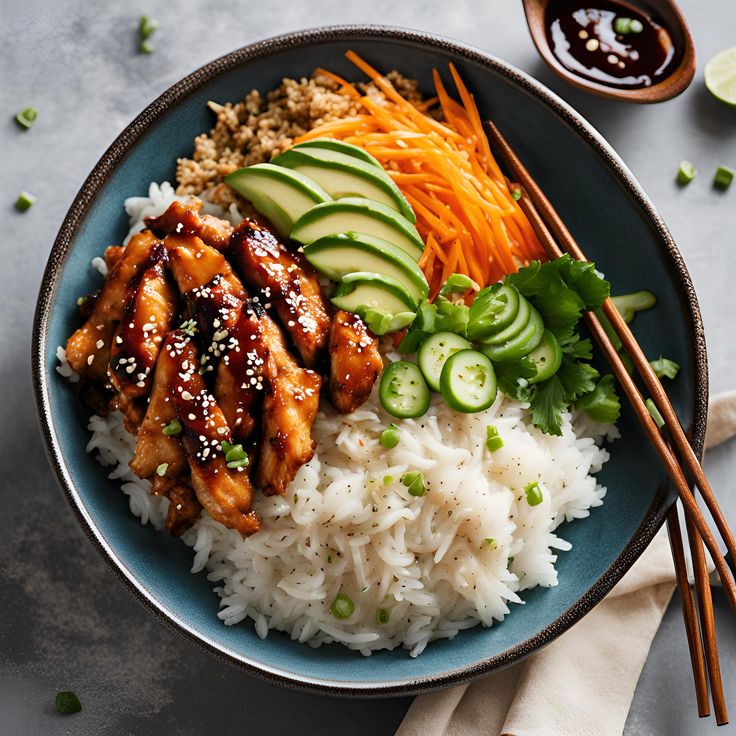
{"type": "Point", "coordinates": [258, 128]}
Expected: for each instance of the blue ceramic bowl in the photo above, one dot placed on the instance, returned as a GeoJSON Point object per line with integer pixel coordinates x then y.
{"type": "Point", "coordinates": [606, 210]}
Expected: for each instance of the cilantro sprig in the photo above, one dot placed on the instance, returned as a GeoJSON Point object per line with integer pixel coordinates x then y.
{"type": "Point", "coordinates": [561, 290]}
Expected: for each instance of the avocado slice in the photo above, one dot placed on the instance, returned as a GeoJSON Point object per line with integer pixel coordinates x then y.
{"type": "Point", "coordinates": [281, 195]}
{"type": "Point", "coordinates": [361, 216]}
{"type": "Point", "coordinates": [321, 146]}
{"type": "Point", "coordinates": [359, 291]}
{"type": "Point", "coordinates": [352, 179]}
{"type": "Point", "coordinates": [338, 255]}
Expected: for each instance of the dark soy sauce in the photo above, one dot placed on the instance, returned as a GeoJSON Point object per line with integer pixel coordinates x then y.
{"type": "Point", "coordinates": [584, 38]}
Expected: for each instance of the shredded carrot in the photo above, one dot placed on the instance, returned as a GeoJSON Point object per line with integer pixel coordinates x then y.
{"type": "Point", "coordinates": [465, 211]}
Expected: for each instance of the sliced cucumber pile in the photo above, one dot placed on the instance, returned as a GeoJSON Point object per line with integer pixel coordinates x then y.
{"type": "Point", "coordinates": [457, 345]}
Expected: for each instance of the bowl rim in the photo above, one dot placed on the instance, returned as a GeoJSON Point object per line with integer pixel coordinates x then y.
{"type": "Point", "coordinates": [116, 153]}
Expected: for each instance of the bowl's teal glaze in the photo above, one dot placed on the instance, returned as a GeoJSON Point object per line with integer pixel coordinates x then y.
{"type": "Point", "coordinates": [606, 211]}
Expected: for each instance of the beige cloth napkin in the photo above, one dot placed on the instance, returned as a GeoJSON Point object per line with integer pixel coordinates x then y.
{"type": "Point", "coordinates": [584, 681]}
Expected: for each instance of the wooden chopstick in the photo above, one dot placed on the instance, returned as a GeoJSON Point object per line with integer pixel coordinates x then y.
{"type": "Point", "coordinates": [689, 614]}
{"type": "Point", "coordinates": [693, 514]}
{"type": "Point", "coordinates": [707, 622]}
{"type": "Point", "coordinates": [651, 381]}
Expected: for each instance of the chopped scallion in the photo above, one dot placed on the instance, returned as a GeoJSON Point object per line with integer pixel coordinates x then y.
{"type": "Point", "coordinates": [414, 481]}
{"type": "Point", "coordinates": [388, 480]}
{"type": "Point", "coordinates": [342, 606]}
{"type": "Point", "coordinates": [81, 301]}
{"type": "Point", "coordinates": [161, 469]}
{"type": "Point", "coordinates": [390, 437]}
{"type": "Point", "coordinates": [189, 327]}
{"type": "Point", "coordinates": [148, 26]}
{"type": "Point", "coordinates": [235, 455]}
{"type": "Point", "coordinates": [26, 117]}
{"type": "Point", "coordinates": [493, 439]}
{"type": "Point", "coordinates": [67, 702]}
{"type": "Point", "coordinates": [173, 429]}
{"type": "Point", "coordinates": [624, 26]}
{"type": "Point", "coordinates": [723, 177]}
{"type": "Point", "coordinates": [652, 409]}
{"type": "Point", "coordinates": [382, 616]}
{"type": "Point", "coordinates": [533, 493]}
{"type": "Point", "coordinates": [489, 541]}
{"type": "Point", "coordinates": [24, 202]}
{"type": "Point", "coordinates": [686, 173]}
{"type": "Point", "coordinates": [516, 194]}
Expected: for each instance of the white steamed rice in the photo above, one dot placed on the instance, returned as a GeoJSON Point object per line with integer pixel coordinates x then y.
{"type": "Point", "coordinates": [347, 524]}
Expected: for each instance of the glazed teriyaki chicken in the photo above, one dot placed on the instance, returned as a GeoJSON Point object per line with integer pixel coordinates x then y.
{"type": "Point", "coordinates": [215, 342]}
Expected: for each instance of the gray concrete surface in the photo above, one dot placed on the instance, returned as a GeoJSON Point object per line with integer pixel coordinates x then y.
{"type": "Point", "coordinates": [65, 623]}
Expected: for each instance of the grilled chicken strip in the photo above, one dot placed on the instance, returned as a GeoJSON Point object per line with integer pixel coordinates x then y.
{"type": "Point", "coordinates": [146, 319]}
{"type": "Point", "coordinates": [288, 282]}
{"type": "Point", "coordinates": [226, 493]}
{"type": "Point", "coordinates": [194, 264]}
{"type": "Point", "coordinates": [242, 375]}
{"type": "Point", "coordinates": [88, 349]}
{"type": "Point", "coordinates": [289, 408]}
{"type": "Point", "coordinates": [154, 448]}
{"type": "Point", "coordinates": [184, 218]}
{"type": "Point", "coordinates": [355, 361]}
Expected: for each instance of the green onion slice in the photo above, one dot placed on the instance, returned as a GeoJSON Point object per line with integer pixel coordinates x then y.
{"type": "Point", "coordinates": [414, 481]}
{"type": "Point", "coordinates": [723, 177]}
{"type": "Point", "coordinates": [652, 409]}
{"type": "Point", "coordinates": [686, 173]}
{"type": "Point", "coordinates": [342, 606]}
{"type": "Point", "coordinates": [26, 117]}
{"type": "Point", "coordinates": [493, 439]}
{"type": "Point", "coordinates": [24, 202]}
{"type": "Point", "coordinates": [390, 437]}
{"type": "Point", "coordinates": [533, 493]}
{"type": "Point", "coordinates": [173, 429]}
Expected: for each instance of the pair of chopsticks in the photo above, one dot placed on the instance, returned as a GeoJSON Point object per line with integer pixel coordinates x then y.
{"type": "Point", "coordinates": [674, 449]}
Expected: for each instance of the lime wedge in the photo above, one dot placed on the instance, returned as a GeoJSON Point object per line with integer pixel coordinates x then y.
{"type": "Point", "coordinates": [720, 76]}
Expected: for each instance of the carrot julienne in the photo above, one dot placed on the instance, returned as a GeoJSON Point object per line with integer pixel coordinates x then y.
{"type": "Point", "coordinates": [465, 211]}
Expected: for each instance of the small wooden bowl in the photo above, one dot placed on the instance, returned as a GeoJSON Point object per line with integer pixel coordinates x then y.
{"type": "Point", "coordinates": [666, 89]}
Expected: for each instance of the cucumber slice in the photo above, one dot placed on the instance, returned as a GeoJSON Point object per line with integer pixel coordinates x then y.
{"type": "Point", "coordinates": [280, 195]}
{"type": "Point", "coordinates": [363, 290]}
{"type": "Point", "coordinates": [337, 255]}
{"type": "Point", "coordinates": [518, 324]}
{"type": "Point", "coordinates": [468, 382]}
{"type": "Point", "coordinates": [547, 357]}
{"type": "Point", "coordinates": [520, 344]}
{"type": "Point", "coordinates": [403, 391]}
{"type": "Point", "coordinates": [332, 144]}
{"type": "Point", "coordinates": [483, 321]}
{"type": "Point", "coordinates": [353, 179]}
{"type": "Point", "coordinates": [435, 351]}
{"type": "Point", "coordinates": [355, 214]}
